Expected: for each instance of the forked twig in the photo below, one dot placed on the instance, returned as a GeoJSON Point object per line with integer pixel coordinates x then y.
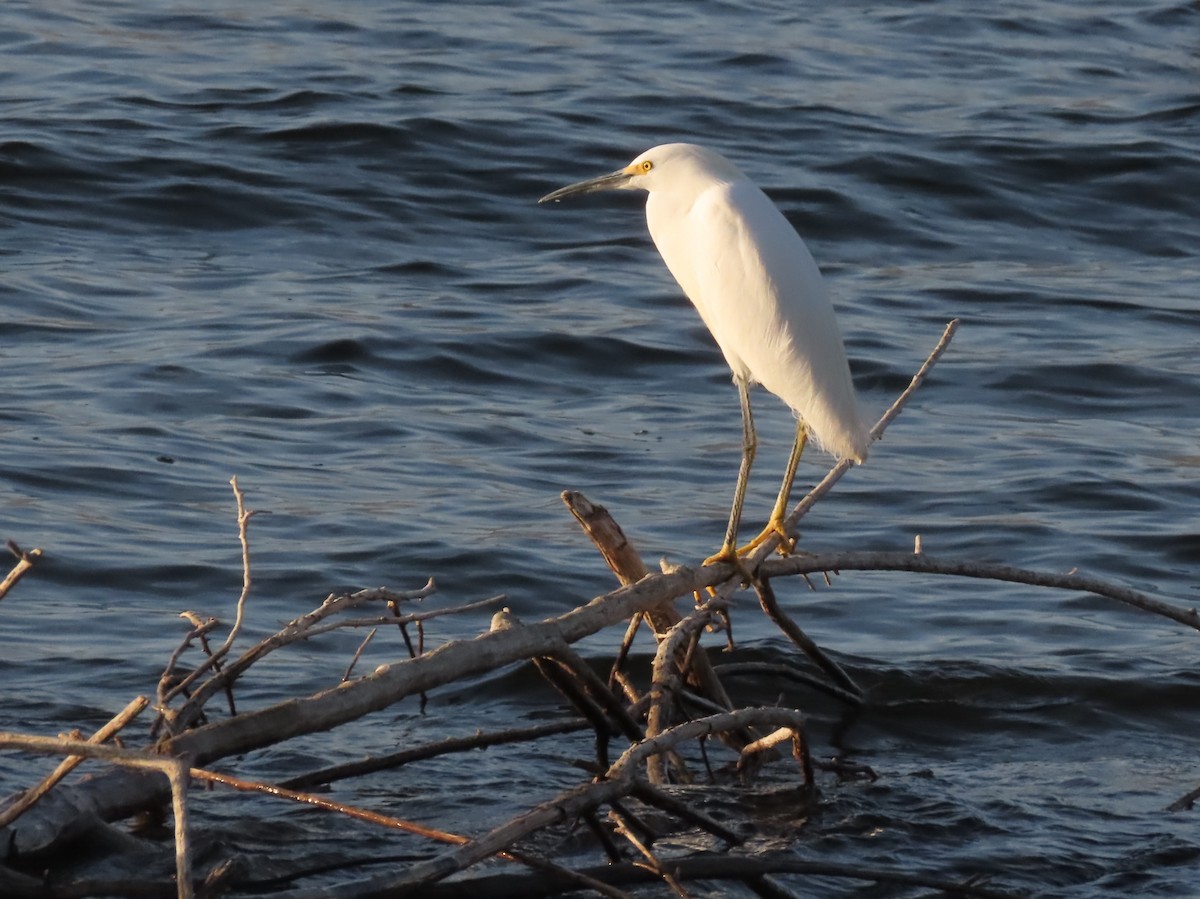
{"type": "Point", "coordinates": [175, 770]}
{"type": "Point", "coordinates": [306, 626]}
{"type": "Point", "coordinates": [243, 521]}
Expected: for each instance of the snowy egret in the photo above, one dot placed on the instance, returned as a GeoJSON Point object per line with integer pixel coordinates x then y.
{"type": "Point", "coordinates": [760, 293]}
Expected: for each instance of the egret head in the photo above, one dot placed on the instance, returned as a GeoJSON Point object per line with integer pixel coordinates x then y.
{"type": "Point", "coordinates": [665, 166]}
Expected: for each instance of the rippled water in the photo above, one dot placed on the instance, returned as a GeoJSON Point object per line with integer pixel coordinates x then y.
{"type": "Point", "coordinates": [299, 243]}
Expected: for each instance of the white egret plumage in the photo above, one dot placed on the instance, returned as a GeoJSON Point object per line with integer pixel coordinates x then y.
{"type": "Point", "coordinates": [760, 294]}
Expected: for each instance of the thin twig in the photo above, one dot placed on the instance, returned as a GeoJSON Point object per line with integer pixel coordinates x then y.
{"type": "Point", "coordinates": [243, 521]}
{"type": "Point", "coordinates": [625, 827]}
{"type": "Point", "coordinates": [433, 750]}
{"type": "Point", "coordinates": [597, 689]}
{"type": "Point", "coordinates": [312, 799]}
{"type": "Point", "coordinates": [358, 652]}
{"type": "Point", "coordinates": [1184, 803]}
{"type": "Point", "coordinates": [618, 665]}
{"type": "Point", "coordinates": [389, 619]}
{"type": "Point", "coordinates": [835, 475]}
{"type": "Point", "coordinates": [655, 796]}
{"type": "Point", "coordinates": [787, 671]}
{"type": "Point", "coordinates": [569, 673]}
{"type": "Point", "coordinates": [561, 679]}
{"type": "Point", "coordinates": [217, 667]}
{"type": "Point", "coordinates": [167, 680]}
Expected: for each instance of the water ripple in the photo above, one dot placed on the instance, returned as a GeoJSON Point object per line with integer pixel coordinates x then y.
{"type": "Point", "coordinates": [302, 245]}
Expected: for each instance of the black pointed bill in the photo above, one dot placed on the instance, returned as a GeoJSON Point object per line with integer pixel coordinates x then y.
{"type": "Point", "coordinates": [612, 181]}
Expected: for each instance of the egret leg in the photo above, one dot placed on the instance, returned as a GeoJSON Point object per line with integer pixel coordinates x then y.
{"type": "Point", "coordinates": [728, 551]}
{"type": "Point", "coordinates": [779, 513]}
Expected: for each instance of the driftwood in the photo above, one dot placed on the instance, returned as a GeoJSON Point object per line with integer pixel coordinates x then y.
{"type": "Point", "coordinates": [650, 733]}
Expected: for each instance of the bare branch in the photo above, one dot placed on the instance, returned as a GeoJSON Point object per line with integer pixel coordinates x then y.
{"type": "Point", "coordinates": [243, 521]}
{"type": "Point", "coordinates": [432, 750]}
{"type": "Point", "coordinates": [623, 767]}
{"type": "Point", "coordinates": [709, 866]}
{"type": "Point", "coordinates": [668, 671]}
{"type": "Point", "coordinates": [394, 823]}
{"type": "Point", "coordinates": [627, 564]}
{"type": "Point", "coordinates": [925, 564]}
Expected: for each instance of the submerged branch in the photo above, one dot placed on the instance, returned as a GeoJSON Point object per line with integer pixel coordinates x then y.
{"type": "Point", "coordinates": [174, 769]}
{"type": "Point", "coordinates": [707, 867]}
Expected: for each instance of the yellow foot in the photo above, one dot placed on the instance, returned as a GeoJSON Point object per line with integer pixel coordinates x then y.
{"type": "Point", "coordinates": [729, 555]}
{"type": "Point", "coordinates": [774, 528]}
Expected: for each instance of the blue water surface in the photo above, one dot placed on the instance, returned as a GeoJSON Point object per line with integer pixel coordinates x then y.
{"type": "Point", "coordinates": [300, 244]}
